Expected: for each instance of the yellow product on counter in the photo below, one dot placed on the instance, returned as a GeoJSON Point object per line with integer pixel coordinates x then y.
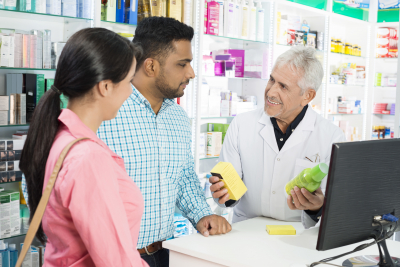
{"type": "Point", "coordinates": [355, 50]}
{"type": "Point", "coordinates": [123, 34]}
{"type": "Point", "coordinates": [281, 230]}
{"type": "Point", "coordinates": [174, 9]}
{"type": "Point", "coordinates": [227, 174]}
{"type": "Point", "coordinates": [158, 8]}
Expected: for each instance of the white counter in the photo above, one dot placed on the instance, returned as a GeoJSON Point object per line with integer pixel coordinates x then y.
{"type": "Point", "coordinates": [249, 244]}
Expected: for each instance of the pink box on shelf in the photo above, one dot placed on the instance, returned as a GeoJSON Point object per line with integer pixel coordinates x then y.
{"type": "Point", "coordinates": [238, 55]}
{"type": "Point", "coordinates": [213, 18]}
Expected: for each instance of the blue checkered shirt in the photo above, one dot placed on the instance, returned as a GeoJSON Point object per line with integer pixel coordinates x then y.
{"type": "Point", "coordinates": [157, 153]}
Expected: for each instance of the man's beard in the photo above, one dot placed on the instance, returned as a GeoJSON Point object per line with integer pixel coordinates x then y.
{"type": "Point", "coordinates": [165, 89]}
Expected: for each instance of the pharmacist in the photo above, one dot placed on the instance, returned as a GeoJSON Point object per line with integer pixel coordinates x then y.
{"type": "Point", "coordinates": [270, 146]}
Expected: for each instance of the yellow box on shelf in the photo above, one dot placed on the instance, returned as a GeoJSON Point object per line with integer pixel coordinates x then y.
{"type": "Point", "coordinates": [281, 230]}
{"type": "Point", "coordinates": [227, 174]}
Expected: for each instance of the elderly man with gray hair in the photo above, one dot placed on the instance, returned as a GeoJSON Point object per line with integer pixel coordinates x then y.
{"type": "Point", "coordinates": [270, 146]}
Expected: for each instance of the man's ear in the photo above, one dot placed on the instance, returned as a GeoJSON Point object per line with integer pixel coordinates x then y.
{"type": "Point", "coordinates": [151, 67]}
{"type": "Point", "coordinates": [308, 96]}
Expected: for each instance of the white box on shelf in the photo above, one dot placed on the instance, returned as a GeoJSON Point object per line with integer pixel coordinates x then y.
{"type": "Point", "coordinates": [4, 102]}
{"type": "Point", "coordinates": [202, 145]}
{"type": "Point", "coordinates": [3, 117]}
{"type": "Point", "coordinates": [214, 106]}
{"type": "Point", "coordinates": [225, 108]}
{"type": "Point", "coordinates": [214, 144]}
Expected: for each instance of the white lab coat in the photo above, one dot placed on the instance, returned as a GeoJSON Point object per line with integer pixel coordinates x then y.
{"type": "Point", "coordinates": [250, 145]}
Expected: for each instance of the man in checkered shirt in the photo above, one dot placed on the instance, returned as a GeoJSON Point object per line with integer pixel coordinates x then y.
{"type": "Point", "coordinates": [153, 136]}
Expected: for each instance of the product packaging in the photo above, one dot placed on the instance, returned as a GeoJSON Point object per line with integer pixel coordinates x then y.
{"type": "Point", "coordinates": [4, 102]}
{"type": "Point", "coordinates": [187, 12]}
{"type": "Point", "coordinates": [46, 49]}
{"type": "Point", "coordinates": [15, 221]}
{"type": "Point", "coordinates": [245, 20]}
{"type": "Point", "coordinates": [205, 16]}
{"type": "Point", "coordinates": [252, 21]}
{"type": "Point", "coordinates": [133, 12]}
{"type": "Point", "coordinates": [221, 21]}
{"type": "Point", "coordinates": [260, 22]}
{"type": "Point", "coordinates": [34, 85]}
{"type": "Point", "coordinates": [174, 9]}
{"type": "Point", "coordinates": [214, 144]}
{"type": "Point", "coordinates": [232, 182]}
{"type": "Point", "coordinates": [53, 7]}
{"type": "Point", "coordinates": [281, 230]}
{"type": "Point", "coordinates": [239, 56]}
{"type": "Point", "coordinates": [309, 178]}
{"type": "Point", "coordinates": [68, 8]}
{"type": "Point", "coordinates": [120, 11]}
{"type": "Point", "coordinates": [202, 145]}
{"type": "Point", "coordinates": [213, 18]}
{"type": "Point", "coordinates": [158, 8]}
{"type": "Point", "coordinates": [5, 210]}
{"type": "Point", "coordinates": [10, 4]}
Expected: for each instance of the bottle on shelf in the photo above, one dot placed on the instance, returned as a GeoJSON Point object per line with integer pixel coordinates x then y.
{"type": "Point", "coordinates": [13, 254]}
{"type": "Point", "coordinates": [253, 21]}
{"type": "Point", "coordinates": [245, 20]}
{"type": "Point", "coordinates": [229, 19]}
{"type": "Point", "coordinates": [260, 22]}
{"type": "Point", "coordinates": [4, 253]}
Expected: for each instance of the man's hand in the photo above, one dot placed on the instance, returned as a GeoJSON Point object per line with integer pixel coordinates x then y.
{"type": "Point", "coordinates": [213, 225]}
{"type": "Point", "coordinates": [304, 200]}
{"type": "Point", "coordinates": [222, 194]}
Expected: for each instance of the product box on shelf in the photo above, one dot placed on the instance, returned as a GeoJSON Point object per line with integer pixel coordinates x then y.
{"type": "Point", "coordinates": [11, 144]}
{"type": "Point", "coordinates": [239, 56]}
{"type": "Point", "coordinates": [386, 43]}
{"type": "Point", "coordinates": [5, 211]}
{"type": "Point", "coordinates": [15, 219]}
{"type": "Point", "coordinates": [202, 145]}
{"type": "Point", "coordinates": [214, 144]}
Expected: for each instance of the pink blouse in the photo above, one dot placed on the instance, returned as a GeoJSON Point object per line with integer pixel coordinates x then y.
{"type": "Point", "coordinates": [94, 212]}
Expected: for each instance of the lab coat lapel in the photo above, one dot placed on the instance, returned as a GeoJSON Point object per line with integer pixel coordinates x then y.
{"type": "Point", "coordinates": [302, 131]}
{"type": "Point", "coordinates": [267, 132]}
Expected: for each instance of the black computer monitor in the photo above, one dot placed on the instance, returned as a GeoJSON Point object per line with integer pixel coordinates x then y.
{"type": "Point", "coordinates": [363, 182]}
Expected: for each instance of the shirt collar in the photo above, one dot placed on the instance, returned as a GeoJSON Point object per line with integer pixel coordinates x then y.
{"type": "Point", "coordinates": [294, 124]}
{"type": "Point", "coordinates": [78, 129]}
{"type": "Point", "coordinates": [140, 99]}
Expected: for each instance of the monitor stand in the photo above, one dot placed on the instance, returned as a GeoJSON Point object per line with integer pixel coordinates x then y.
{"type": "Point", "coordinates": [383, 260]}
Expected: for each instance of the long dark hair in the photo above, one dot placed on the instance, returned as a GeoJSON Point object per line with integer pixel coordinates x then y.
{"type": "Point", "coordinates": [90, 56]}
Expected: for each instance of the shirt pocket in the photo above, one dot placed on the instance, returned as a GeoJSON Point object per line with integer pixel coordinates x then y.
{"type": "Point", "coordinates": [302, 164]}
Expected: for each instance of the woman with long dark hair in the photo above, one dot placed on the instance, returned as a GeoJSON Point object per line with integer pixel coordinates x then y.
{"type": "Point", "coordinates": [94, 212]}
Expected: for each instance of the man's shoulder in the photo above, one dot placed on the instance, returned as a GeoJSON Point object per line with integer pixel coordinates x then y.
{"type": "Point", "coordinates": [327, 126]}
{"type": "Point", "coordinates": [249, 116]}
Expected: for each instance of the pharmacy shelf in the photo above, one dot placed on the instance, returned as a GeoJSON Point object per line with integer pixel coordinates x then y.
{"type": "Point", "coordinates": [119, 23]}
{"type": "Point", "coordinates": [345, 55]}
{"type": "Point", "coordinates": [37, 16]}
{"type": "Point", "coordinates": [14, 125]}
{"type": "Point", "coordinates": [283, 45]}
{"type": "Point", "coordinates": [209, 158]}
{"type": "Point", "coordinates": [393, 59]}
{"type": "Point", "coordinates": [25, 69]}
{"type": "Point", "coordinates": [222, 38]}
{"type": "Point", "coordinates": [346, 85]}
{"type": "Point", "coordinates": [9, 182]}
{"type": "Point", "coordinates": [345, 114]}
{"type": "Point", "coordinates": [385, 87]}
{"type": "Point", "coordinates": [235, 78]}
{"type": "Point", "coordinates": [380, 114]}
{"type": "Point", "coordinates": [23, 232]}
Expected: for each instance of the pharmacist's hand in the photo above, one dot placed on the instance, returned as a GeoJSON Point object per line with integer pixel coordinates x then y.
{"type": "Point", "coordinates": [218, 191]}
{"type": "Point", "coordinates": [304, 200]}
{"type": "Point", "coordinates": [213, 225]}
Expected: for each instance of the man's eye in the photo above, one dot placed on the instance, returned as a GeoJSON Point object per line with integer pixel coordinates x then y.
{"type": "Point", "coordinates": [182, 65]}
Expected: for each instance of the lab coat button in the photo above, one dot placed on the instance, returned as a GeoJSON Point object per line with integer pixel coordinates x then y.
{"type": "Point", "coordinates": [281, 139]}
{"type": "Point", "coordinates": [278, 159]}
{"type": "Point", "coordinates": [273, 192]}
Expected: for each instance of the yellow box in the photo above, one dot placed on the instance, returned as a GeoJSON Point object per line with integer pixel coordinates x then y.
{"type": "Point", "coordinates": [227, 174]}
{"type": "Point", "coordinates": [281, 230]}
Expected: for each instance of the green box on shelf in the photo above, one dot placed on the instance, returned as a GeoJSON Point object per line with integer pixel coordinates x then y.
{"type": "Point", "coordinates": [354, 12]}
{"type": "Point", "coordinates": [320, 4]}
{"type": "Point", "coordinates": [5, 209]}
{"type": "Point", "coordinates": [388, 15]}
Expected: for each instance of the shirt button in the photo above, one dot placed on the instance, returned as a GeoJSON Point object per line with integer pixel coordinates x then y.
{"type": "Point", "coordinates": [278, 159]}
{"type": "Point", "coordinates": [273, 192]}
{"type": "Point", "coordinates": [141, 105]}
{"type": "Point", "coordinates": [292, 130]}
{"type": "Point", "coordinates": [281, 139]}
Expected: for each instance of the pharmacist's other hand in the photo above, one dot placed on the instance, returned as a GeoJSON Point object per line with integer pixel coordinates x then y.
{"type": "Point", "coordinates": [218, 191]}
{"type": "Point", "coordinates": [213, 225]}
{"type": "Point", "coordinates": [304, 200]}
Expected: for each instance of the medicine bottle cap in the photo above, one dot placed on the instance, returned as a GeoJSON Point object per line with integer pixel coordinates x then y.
{"type": "Point", "coordinates": [319, 172]}
{"type": "Point", "coordinates": [13, 247]}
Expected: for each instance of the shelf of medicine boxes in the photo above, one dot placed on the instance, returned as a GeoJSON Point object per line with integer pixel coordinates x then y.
{"type": "Point", "coordinates": [14, 125]}
{"type": "Point", "coordinates": [37, 16]}
{"type": "Point", "coordinates": [223, 38]}
{"type": "Point", "coordinates": [25, 69]}
{"type": "Point", "coordinates": [23, 232]}
{"type": "Point", "coordinates": [345, 55]}
{"type": "Point", "coordinates": [237, 78]}
{"type": "Point", "coordinates": [208, 158]}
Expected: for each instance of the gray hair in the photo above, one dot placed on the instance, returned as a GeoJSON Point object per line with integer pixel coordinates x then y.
{"type": "Point", "coordinates": [302, 60]}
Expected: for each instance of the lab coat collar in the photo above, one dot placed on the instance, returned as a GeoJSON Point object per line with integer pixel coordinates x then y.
{"type": "Point", "coordinates": [299, 135]}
